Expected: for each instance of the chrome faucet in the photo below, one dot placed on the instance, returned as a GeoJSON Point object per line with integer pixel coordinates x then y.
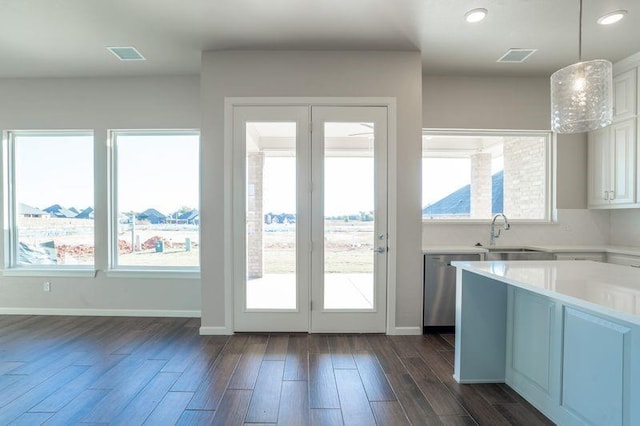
{"type": "Point", "coordinates": [494, 234]}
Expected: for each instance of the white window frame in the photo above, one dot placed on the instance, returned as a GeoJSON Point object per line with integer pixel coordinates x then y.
{"type": "Point", "coordinates": [114, 269]}
{"type": "Point", "coordinates": [10, 210]}
{"type": "Point", "coordinates": [550, 165]}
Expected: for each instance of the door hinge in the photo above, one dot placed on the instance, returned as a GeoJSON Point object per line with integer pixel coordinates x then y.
{"type": "Point", "coordinates": [311, 305]}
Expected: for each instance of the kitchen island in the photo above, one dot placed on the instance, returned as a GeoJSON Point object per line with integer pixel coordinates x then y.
{"type": "Point", "coordinates": [563, 334]}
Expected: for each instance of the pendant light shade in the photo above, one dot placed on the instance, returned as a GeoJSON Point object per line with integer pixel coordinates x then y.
{"type": "Point", "coordinates": [581, 94]}
{"type": "Point", "coordinates": [581, 97]}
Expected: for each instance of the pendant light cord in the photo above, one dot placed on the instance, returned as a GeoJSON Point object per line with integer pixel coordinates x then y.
{"type": "Point", "coordinates": [580, 32]}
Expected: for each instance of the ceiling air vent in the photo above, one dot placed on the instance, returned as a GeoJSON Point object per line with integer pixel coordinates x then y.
{"type": "Point", "coordinates": [127, 53]}
{"type": "Point", "coordinates": [516, 55]}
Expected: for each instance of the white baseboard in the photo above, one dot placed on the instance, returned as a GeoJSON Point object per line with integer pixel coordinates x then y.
{"type": "Point", "coordinates": [100, 312]}
{"type": "Point", "coordinates": [215, 331]}
{"type": "Point", "coordinates": [405, 331]}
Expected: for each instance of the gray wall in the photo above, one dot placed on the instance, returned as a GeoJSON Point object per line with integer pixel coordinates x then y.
{"type": "Point", "coordinates": [319, 74]}
{"type": "Point", "coordinates": [507, 103]}
{"type": "Point", "coordinates": [100, 104]}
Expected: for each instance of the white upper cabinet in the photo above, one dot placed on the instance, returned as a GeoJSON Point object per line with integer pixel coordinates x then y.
{"type": "Point", "coordinates": [612, 165]}
{"type": "Point", "coordinates": [599, 168]}
{"type": "Point", "coordinates": [623, 135]}
{"type": "Point", "coordinates": [624, 95]}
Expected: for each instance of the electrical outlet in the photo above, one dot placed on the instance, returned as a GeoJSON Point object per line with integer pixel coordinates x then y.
{"type": "Point", "coordinates": [46, 286]}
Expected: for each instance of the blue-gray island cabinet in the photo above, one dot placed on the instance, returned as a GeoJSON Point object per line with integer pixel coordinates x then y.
{"type": "Point", "coordinates": [564, 334]}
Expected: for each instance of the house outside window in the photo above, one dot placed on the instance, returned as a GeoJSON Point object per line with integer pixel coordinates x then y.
{"type": "Point", "coordinates": [49, 199]}
{"type": "Point", "coordinates": [473, 175]}
{"type": "Point", "coordinates": [155, 212]}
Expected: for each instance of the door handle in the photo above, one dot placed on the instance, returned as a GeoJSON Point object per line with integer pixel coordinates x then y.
{"type": "Point", "coordinates": [380, 250]}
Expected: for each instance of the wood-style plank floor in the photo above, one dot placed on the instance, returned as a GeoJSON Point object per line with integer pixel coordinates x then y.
{"type": "Point", "coordinates": [58, 370]}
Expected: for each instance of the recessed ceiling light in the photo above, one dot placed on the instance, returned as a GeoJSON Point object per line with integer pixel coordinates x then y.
{"type": "Point", "coordinates": [612, 18]}
{"type": "Point", "coordinates": [126, 53]}
{"type": "Point", "coordinates": [475, 15]}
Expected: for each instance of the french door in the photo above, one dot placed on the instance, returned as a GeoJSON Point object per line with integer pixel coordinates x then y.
{"type": "Point", "coordinates": [310, 218]}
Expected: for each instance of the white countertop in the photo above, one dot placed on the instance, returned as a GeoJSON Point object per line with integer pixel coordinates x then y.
{"type": "Point", "coordinates": [452, 249]}
{"type": "Point", "coordinates": [611, 290]}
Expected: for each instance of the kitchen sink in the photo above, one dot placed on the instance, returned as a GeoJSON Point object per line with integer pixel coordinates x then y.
{"type": "Point", "coordinates": [512, 253]}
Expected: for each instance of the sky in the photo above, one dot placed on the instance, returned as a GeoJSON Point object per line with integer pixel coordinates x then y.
{"type": "Point", "coordinates": [160, 172]}
{"type": "Point", "coordinates": [54, 170]}
{"type": "Point", "coordinates": [443, 176]}
{"type": "Point", "coordinates": [152, 172]}
{"type": "Point", "coordinates": [348, 188]}
{"type": "Point", "coordinates": [348, 185]}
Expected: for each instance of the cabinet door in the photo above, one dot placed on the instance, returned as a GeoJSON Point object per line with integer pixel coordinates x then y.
{"type": "Point", "coordinates": [623, 155]}
{"type": "Point", "coordinates": [594, 368]}
{"type": "Point", "coordinates": [532, 338]}
{"type": "Point", "coordinates": [599, 167]}
{"type": "Point", "coordinates": [624, 95]}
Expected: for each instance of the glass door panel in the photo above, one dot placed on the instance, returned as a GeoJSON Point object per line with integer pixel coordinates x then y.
{"type": "Point", "coordinates": [349, 205]}
{"type": "Point", "coordinates": [349, 216]}
{"type": "Point", "coordinates": [271, 215]}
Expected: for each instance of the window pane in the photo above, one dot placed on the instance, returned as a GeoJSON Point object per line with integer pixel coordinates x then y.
{"type": "Point", "coordinates": [349, 221]}
{"type": "Point", "coordinates": [157, 199]}
{"type": "Point", "coordinates": [445, 187]}
{"type": "Point", "coordinates": [271, 215]}
{"type": "Point", "coordinates": [475, 176]}
{"type": "Point", "coordinates": [53, 196]}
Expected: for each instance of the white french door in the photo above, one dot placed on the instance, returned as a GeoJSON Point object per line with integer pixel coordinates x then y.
{"type": "Point", "coordinates": [349, 220]}
{"type": "Point", "coordinates": [310, 225]}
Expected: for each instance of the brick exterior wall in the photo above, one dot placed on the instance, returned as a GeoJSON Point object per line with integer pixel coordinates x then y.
{"type": "Point", "coordinates": [480, 186]}
{"type": "Point", "coordinates": [524, 178]}
{"type": "Point", "coordinates": [255, 215]}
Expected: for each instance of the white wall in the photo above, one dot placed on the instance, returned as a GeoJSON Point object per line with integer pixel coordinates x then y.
{"type": "Point", "coordinates": [625, 227]}
{"type": "Point", "coordinates": [314, 74]}
{"type": "Point", "coordinates": [574, 227]}
{"type": "Point", "coordinates": [515, 104]}
{"type": "Point", "coordinates": [100, 104]}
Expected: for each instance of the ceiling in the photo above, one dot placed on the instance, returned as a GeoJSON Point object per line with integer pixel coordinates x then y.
{"type": "Point", "coordinates": [67, 38]}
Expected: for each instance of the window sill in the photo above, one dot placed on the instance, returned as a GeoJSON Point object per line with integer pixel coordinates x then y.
{"type": "Point", "coordinates": [41, 272]}
{"type": "Point", "coordinates": [153, 273]}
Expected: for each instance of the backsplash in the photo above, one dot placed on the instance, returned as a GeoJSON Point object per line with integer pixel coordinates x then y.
{"type": "Point", "coordinates": [574, 227]}
{"type": "Point", "coordinates": [625, 227]}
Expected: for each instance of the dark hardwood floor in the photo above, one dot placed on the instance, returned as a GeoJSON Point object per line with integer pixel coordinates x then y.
{"type": "Point", "coordinates": [159, 371]}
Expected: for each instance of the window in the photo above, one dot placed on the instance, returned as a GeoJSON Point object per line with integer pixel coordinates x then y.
{"type": "Point", "coordinates": [475, 175]}
{"type": "Point", "coordinates": [155, 204]}
{"type": "Point", "coordinates": [49, 185]}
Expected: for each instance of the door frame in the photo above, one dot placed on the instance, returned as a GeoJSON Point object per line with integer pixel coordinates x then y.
{"type": "Point", "coordinates": [229, 244]}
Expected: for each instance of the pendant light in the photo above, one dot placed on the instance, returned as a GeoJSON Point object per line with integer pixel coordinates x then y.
{"type": "Point", "coordinates": [581, 94]}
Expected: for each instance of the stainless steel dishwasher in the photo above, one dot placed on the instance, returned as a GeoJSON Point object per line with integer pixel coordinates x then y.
{"type": "Point", "coordinates": [440, 291]}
